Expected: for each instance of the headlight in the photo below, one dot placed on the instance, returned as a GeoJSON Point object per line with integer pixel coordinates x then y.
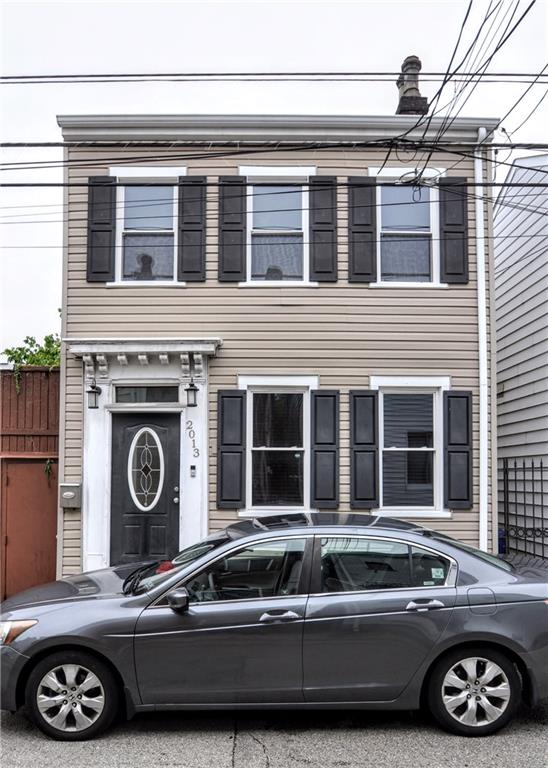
{"type": "Point", "coordinates": [9, 630]}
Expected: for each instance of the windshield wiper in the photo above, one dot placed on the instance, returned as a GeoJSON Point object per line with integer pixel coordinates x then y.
{"type": "Point", "coordinates": [131, 581]}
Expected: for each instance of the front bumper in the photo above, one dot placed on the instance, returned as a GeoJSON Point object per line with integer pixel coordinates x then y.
{"type": "Point", "coordinates": [11, 664]}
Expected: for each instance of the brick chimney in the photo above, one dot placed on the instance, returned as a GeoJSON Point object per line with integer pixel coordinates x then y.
{"type": "Point", "coordinates": [411, 102]}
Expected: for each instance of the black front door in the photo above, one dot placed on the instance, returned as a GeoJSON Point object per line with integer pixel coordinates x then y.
{"type": "Point", "coordinates": [145, 487]}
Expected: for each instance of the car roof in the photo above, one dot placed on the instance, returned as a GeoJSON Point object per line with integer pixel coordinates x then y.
{"type": "Point", "coordinates": [317, 520]}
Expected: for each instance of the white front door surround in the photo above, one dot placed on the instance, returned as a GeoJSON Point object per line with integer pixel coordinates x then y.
{"type": "Point", "coordinates": [129, 362]}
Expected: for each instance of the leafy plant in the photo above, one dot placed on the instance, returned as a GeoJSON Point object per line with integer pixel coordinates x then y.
{"type": "Point", "coordinates": [31, 352]}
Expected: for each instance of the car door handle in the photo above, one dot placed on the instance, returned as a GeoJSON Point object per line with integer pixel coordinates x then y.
{"type": "Point", "coordinates": [426, 605]}
{"type": "Point", "coordinates": [271, 618]}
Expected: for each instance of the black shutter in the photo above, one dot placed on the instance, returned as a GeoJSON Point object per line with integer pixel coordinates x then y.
{"type": "Point", "coordinates": [231, 449]}
{"type": "Point", "coordinates": [364, 449]}
{"type": "Point", "coordinates": [192, 229]}
{"type": "Point", "coordinates": [362, 230]}
{"type": "Point", "coordinates": [323, 229]}
{"type": "Point", "coordinates": [101, 228]}
{"type": "Point", "coordinates": [457, 444]}
{"type": "Point", "coordinates": [232, 228]}
{"type": "Point", "coordinates": [324, 475]}
{"type": "Point", "coordinates": [453, 230]}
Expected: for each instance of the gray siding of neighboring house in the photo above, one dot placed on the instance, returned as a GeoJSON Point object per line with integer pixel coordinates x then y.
{"type": "Point", "coordinates": [521, 304]}
{"type": "Point", "coordinates": [342, 332]}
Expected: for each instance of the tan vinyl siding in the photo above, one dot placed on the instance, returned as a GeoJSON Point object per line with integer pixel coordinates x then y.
{"type": "Point", "coordinates": [342, 332]}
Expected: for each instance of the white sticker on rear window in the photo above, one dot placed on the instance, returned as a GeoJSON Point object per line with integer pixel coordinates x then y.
{"type": "Point", "coordinates": [437, 573]}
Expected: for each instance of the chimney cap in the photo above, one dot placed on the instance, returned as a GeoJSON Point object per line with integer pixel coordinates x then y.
{"type": "Point", "coordinates": [410, 100]}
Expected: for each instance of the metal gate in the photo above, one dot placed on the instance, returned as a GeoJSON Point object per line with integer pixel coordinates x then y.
{"type": "Point", "coordinates": [523, 517]}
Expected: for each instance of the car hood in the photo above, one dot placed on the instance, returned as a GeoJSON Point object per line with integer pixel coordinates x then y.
{"type": "Point", "coordinates": [93, 584]}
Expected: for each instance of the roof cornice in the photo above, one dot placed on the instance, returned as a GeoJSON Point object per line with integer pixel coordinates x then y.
{"type": "Point", "coordinates": [263, 128]}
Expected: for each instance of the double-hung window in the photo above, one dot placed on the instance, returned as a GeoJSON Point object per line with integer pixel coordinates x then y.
{"type": "Point", "coordinates": [277, 224]}
{"type": "Point", "coordinates": [146, 232]}
{"type": "Point", "coordinates": [278, 442]}
{"type": "Point", "coordinates": [411, 448]}
{"type": "Point", "coordinates": [277, 448]}
{"type": "Point", "coordinates": [276, 234]}
{"type": "Point", "coordinates": [408, 245]}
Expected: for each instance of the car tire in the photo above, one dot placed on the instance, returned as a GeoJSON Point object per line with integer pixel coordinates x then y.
{"type": "Point", "coordinates": [474, 691]}
{"type": "Point", "coordinates": [71, 696]}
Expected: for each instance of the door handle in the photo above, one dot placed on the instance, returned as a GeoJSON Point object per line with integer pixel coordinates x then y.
{"type": "Point", "coordinates": [425, 605]}
{"type": "Point", "coordinates": [272, 618]}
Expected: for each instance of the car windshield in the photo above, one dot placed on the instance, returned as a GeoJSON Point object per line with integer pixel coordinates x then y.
{"type": "Point", "coordinates": [485, 556]}
{"type": "Point", "coordinates": [156, 574]}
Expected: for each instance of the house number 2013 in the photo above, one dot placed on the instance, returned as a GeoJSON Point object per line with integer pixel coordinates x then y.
{"type": "Point", "coordinates": [191, 434]}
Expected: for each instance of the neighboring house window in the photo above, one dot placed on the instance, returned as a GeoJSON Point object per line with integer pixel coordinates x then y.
{"type": "Point", "coordinates": [411, 444]}
{"type": "Point", "coordinates": [278, 219]}
{"type": "Point", "coordinates": [148, 235]}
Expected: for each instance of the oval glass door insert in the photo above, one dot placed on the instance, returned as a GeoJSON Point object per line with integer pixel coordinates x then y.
{"type": "Point", "coordinates": [145, 469]}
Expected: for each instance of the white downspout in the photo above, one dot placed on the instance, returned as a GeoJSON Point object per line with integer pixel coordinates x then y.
{"type": "Point", "coordinates": [482, 347]}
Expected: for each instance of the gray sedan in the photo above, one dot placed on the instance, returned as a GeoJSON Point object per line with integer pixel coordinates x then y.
{"type": "Point", "coordinates": [298, 611]}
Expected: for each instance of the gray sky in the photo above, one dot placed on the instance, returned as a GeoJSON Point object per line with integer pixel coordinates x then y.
{"type": "Point", "coordinates": [84, 37]}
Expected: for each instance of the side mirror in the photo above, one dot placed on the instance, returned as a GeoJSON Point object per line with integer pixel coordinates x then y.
{"type": "Point", "coordinates": [178, 600]}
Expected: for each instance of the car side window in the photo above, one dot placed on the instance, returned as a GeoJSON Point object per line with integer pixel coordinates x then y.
{"type": "Point", "coordinates": [429, 568]}
{"type": "Point", "coordinates": [354, 564]}
{"type": "Point", "coordinates": [266, 569]}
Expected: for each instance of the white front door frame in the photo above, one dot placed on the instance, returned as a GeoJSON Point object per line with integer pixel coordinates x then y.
{"type": "Point", "coordinates": [97, 454]}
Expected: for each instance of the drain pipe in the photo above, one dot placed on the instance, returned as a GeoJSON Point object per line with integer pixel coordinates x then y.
{"type": "Point", "coordinates": [482, 346]}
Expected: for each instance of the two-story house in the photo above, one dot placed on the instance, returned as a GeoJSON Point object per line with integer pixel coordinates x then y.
{"type": "Point", "coordinates": [264, 314]}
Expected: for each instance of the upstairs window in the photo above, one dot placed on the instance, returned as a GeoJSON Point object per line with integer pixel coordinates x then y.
{"type": "Point", "coordinates": [277, 221]}
{"type": "Point", "coordinates": [147, 240]}
{"type": "Point", "coordinates": [408, 242]}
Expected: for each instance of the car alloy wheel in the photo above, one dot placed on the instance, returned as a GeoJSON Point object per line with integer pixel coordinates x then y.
{"type": "Point", "coordinates": [70, 697]}
{"type": "Point", "coordinates": [475, 691]}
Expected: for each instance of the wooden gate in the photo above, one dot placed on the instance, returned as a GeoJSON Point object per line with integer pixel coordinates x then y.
{"type": "Point", "coordinates": [29, 428]}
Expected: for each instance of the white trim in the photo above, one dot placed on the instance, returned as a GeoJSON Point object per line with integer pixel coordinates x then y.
{"type": "Point", "coordinates": [147, 284]}
{"type": "Point", "coordinates": [245, 381]}
{"type": "Point", "coordinates": [130, 482]}
{"type": "Point", "coordinates": [434, 385]}
{"type": "Point", "coordinates": [302, 384]}
{"type": "Point", "coordinates": [278, 284]}
{"type": "Point", "coordinates": [133, 172]}
{"type": "Point", "coordinates": [480, 192]}
{"type": "Point", "coordinates": [233, 127]}
{"type": "Point", "coordinates": [441, 382]}
{"type": "Point", "coordinates": [151, 346]}
{"type": "Point", "coordinates": [397, 172]}
{"type": "Point", "coordinates": [397, 284]}
{"type": "Point", "coordinates": [255, 172]}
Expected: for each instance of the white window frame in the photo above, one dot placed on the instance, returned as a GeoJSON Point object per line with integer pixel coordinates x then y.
{"type": "Point", "coordinates": [167, 174]}
{"type": "Point", "coordinates": [436, 386]}
{"type": "Point", "coordinates": [266, 384]}
{"type": "Point", "coordinates": [393, 174]}
{"type": "Point", "coordinates": [293, 176]}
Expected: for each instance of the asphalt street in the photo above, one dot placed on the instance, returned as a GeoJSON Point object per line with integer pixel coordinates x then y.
{"type": "Point", "coordinates": [281, 740]}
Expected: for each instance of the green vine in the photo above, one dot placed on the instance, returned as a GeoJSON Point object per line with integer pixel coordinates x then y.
{"type": "Point", "coordinates": [31, 352]}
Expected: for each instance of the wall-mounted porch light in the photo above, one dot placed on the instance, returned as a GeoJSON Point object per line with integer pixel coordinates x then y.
{"type": "Point", "coordinates": [93, 395]}
{"type": "Point", "coordinates": [191, 394]}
